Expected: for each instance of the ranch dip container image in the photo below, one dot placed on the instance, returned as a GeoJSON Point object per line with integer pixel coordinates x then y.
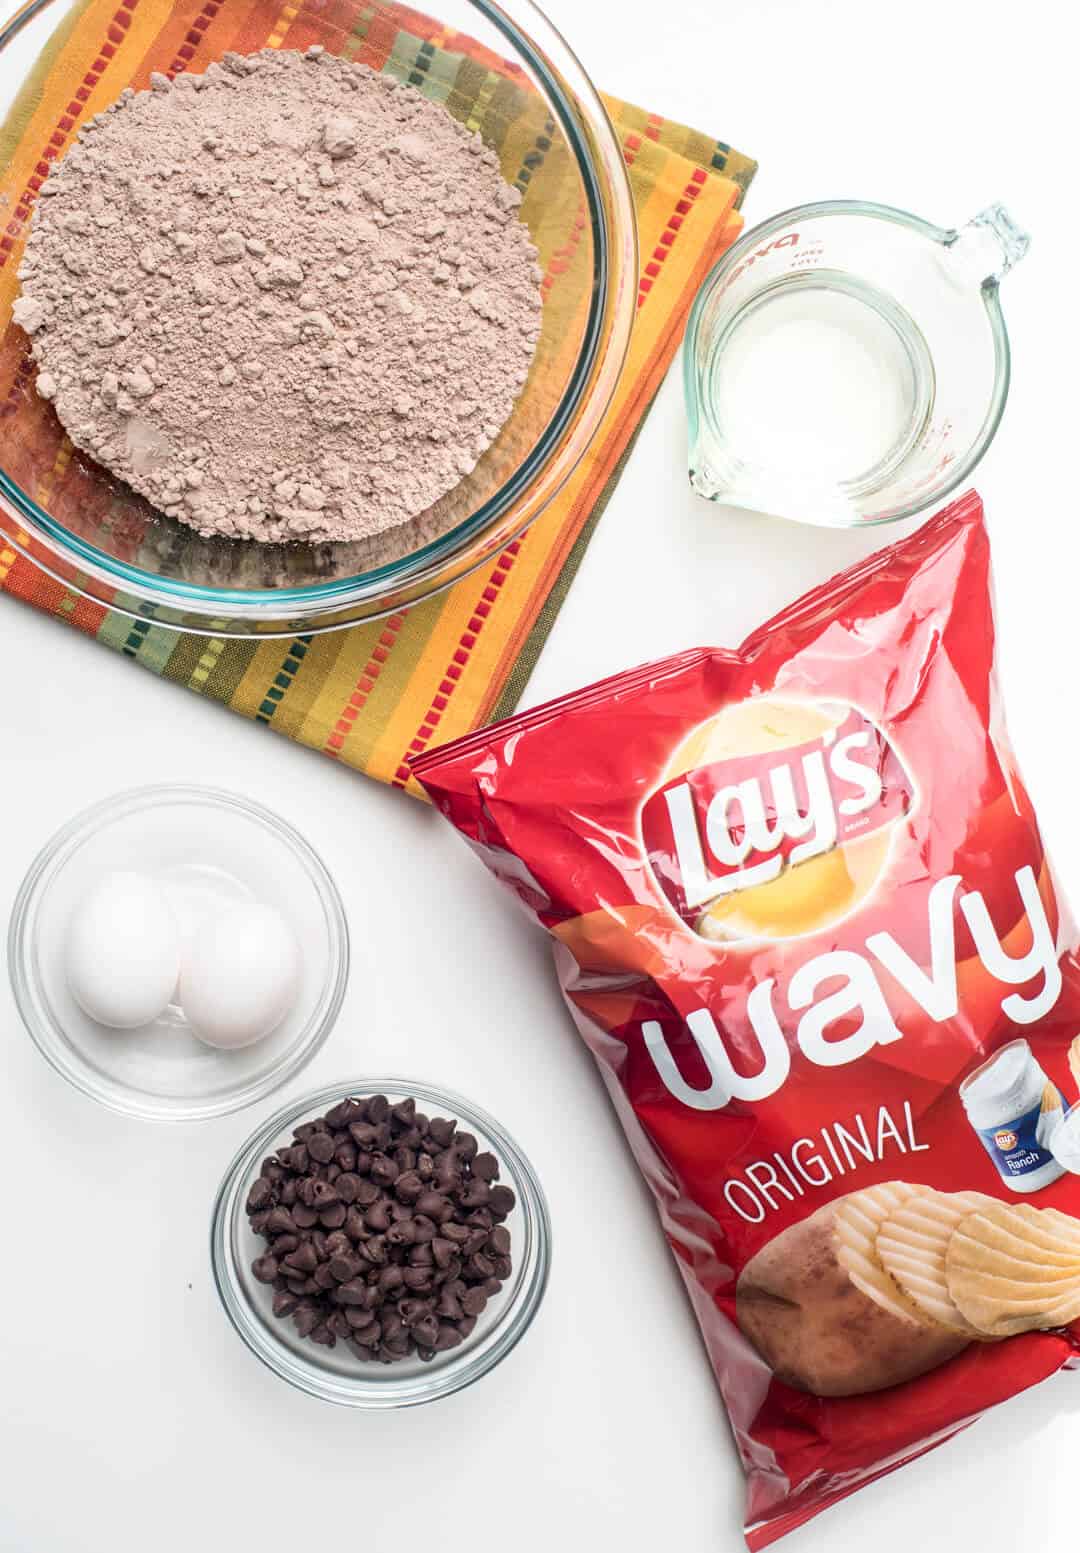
{"type": "Point", "coordinates": [1010, 1103]}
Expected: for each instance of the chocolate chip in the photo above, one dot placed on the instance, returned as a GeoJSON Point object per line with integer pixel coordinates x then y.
{"type": "Point", "coordinates": [391, 1277]}
{"type": "Point", "coordinates": [285, 1303]}
{"type": "Point", "coordinates": [426, 1331]}
{"type": "Point", "coordinates": [354, 1225]}
{"type": "Point", "coordinates": [304, 1258]}
{"type": "Point", "coordinates": [474, 1302]}
{"type": "Point", "coordinates": [334, 1216]}
{"type": "Point", "coordinates": [501, 1202]}
{"type": "Point", "coordinates": [423, 1229]}
{"type": "Point", "coordinates": [442, 1130]}
{"type": "Point", "coordinates": [265, 1268]}
{"type": "Point", "coordinates": [499, 1240]}
{"type": "Point", "coordinates": [344, 1267]}
{"type": "Point", "coordinates": [342, 1114]}
{"type": "Point", "coordinates": [413, 1310]}
{"type": "Point", "coordinates": [348, 1186]}
{"type": "Point", "coordinates": [260, 1196]}
{"type": "Point", "coordinates": [377, 1216]}
{"type": "Point", "coordinates": [383, 1170]}
{"type": "Point", "coordinates": [392, 1325]}
{"type": "Point", "coordinates": [449, 1306]}
{"type": "Point", "coordinates": [408, 1186]}
{"type": "Point", "coordinates": [433, 1205]}
{"type": "Point", "coordinates": [280, 1222]}
{"type": "Point", "coordinates": [476, 1195]}
{"type": "Point", "coordinates": [321, 1147]}
{"type": "Point", "coordinates": [305, 1320]}
{"type": "Point", "coordinates": [367, 1336]}
{"type": "Point", "coordinates": [375, 1250]}
{"type": "Point", "coordinates": [442, 1251]}
{"type": "Point", "coordinates": [404, 1112]}
{"type": "Point", "coordinates": [485, 1167]}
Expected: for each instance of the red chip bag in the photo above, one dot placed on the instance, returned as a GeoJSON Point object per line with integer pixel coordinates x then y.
{"type": "Point", "coordinates": [804, 920]}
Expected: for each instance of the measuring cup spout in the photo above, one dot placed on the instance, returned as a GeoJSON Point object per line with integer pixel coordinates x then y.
{"type": "Point", "coordinates": [987, 248]}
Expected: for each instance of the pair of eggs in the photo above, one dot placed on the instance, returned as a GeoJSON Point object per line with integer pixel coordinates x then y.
{"type": "Point", "coordinates": [127, 959]}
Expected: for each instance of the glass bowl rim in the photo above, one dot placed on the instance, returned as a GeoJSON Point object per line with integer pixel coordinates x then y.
{"type": "Point", "coordinates": [382, 1389]}
{"type": "Point", "coordinates": [419, 567]}
{"type": "Point", "coordinates": [820, 209]}
{"type": "Point", "coordinates": [49, 1039]}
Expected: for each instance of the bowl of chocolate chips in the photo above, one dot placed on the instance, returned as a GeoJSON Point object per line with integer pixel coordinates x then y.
{"type": "Point", "coordinates": [381, 1243]}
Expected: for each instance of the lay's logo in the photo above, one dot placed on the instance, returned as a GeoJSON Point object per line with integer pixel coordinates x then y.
{"type": "Point", "coordinates": [775, 818]}
{"type": "Point", "coordinates": [1006, 1141]}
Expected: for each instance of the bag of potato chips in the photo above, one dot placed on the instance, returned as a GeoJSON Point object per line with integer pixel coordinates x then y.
{"type": "Point", "coordinates": [803, 918]}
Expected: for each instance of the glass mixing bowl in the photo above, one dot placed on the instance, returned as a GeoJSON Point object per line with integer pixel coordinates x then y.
{"type": "Point", "coordinates": [556, 144]}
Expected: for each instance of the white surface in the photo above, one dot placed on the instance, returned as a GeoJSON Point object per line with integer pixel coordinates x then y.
{"type": "Point", "coordinates": [131, 1414]}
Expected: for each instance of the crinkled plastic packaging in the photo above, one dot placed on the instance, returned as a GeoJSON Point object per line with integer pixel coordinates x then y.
{"type": "Point", "coordinates": [798, 897]}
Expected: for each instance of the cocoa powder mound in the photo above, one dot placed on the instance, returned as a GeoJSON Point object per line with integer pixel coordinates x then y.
{"type": "Point", "coordinates": [286, 299]}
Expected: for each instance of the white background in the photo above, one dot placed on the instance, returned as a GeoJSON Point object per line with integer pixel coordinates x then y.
{"type": "Point", "coordinates": [130, 1414]}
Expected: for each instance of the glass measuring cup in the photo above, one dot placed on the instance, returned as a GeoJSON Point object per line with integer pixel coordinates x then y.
{"type": "Point", "coordinates": [847, 363]}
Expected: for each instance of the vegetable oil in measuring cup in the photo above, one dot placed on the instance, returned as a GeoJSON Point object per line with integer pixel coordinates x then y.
{"type": "Point", "coordinates": [848, 363]}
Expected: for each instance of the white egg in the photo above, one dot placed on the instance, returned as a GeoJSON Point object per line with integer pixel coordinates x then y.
{"type": "Point", "coordinates": [240, 977]}
{"type": "Point", "coordinates": [123, 951]}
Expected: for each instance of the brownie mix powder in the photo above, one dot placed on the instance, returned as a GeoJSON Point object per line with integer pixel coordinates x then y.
{"type": "Point", "coordinates": [287, 299]}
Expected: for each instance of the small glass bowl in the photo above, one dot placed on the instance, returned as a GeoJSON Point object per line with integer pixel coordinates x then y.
{"type": "Point", "coordinates": [335, 1375]}
{"type": "Point", "coordinates": [207, 848]}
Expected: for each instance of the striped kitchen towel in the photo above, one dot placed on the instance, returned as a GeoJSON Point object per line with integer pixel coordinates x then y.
{"type": "Point", "coordinates": [375, 694]}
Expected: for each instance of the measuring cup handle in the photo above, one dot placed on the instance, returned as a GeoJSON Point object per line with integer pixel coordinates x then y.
{"type": "Point", "coordinates": [988, 246]}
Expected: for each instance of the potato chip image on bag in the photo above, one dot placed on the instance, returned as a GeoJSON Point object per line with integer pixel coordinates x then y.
{"type": "Point", "coordinates": [802, 916]}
